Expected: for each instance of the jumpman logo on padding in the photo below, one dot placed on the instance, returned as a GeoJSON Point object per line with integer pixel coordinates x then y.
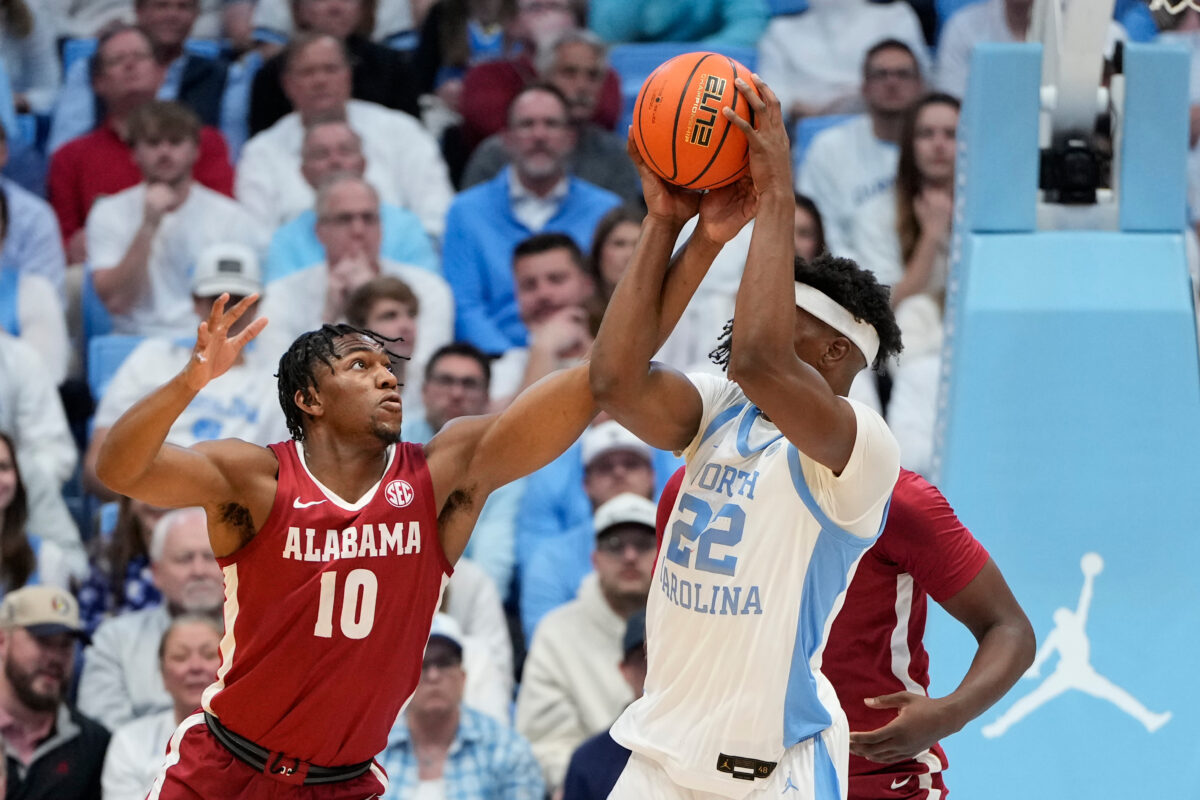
{"type": "Point", "coordinates": [790, 785]}
{"type": "Point", "coordinates": [1074, 669]}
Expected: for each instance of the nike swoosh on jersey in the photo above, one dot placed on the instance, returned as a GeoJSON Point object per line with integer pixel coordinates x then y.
{"type": "Point", "coordinates": [898, 784]}
{"type": "Point", "coordinates": [297, 504]}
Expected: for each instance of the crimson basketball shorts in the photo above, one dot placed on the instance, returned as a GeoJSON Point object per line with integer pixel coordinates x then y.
{"type": "Point", "coordinates": [198, 767]}
{"type": "Point", "coordinates": [908, 780]}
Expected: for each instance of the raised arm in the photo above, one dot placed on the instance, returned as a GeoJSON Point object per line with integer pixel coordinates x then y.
{"type": "Point", "coordinates": [654, 401]}
{"type": "Point", "coordinates": [472, 456]}
{"type": "Point", "coordinates": [763, 358]}
{"type": "Point", "coordinates": [987, 608]}
{"type": "Point", "coordinates": [135, 459]}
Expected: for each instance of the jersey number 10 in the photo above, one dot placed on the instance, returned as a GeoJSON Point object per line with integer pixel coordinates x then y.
{"type": "Point", "coordinates": [358, 604]}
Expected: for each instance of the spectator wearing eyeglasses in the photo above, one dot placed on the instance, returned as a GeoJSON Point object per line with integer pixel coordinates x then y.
{"type": "Point", "coordinates": [813, 61]}
{"type": "Point", "coordinates": [535, 194]}
{"type": "Point", "coordinates": [457, 381]}
{"type": "Point", "coordinates": [849, 164]}
{"type": "Point", "coordinates": [572, 687]}
{"type": "Point", "coordinates": [331, 146]}
{"type": "Point", "coordinates": [441, 747]}
{"type": "Point", "coordinates": [348, 227]}
{"type": "Point", "coordinates": [235, 406]}
{"type": "Point", "coordinates": [615, 462]}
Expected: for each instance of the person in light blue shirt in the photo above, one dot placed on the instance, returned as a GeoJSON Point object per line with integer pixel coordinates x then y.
{"type": "Point", "coordinates": [8, 113]}
{"type": "Point", "coordinates": [32, 244]}
{"type": "Point", "coordinates": [465, 755]}
{"type": "Point", "coordinates": [535, 194]}
{"type": "Point", "coordinates": [331, 147]}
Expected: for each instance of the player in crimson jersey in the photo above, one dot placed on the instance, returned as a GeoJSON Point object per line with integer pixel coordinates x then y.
{"type": "Point", "coordinates": [335, 547]}
{"type": "Point", "coordinates": [875, 656]}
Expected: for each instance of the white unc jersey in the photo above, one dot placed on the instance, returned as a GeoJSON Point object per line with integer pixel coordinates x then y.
{"type": "Point", "coordinates": [754, 562]}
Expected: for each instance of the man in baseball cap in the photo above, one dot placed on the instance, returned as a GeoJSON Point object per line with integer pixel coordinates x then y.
{"type": "Point", "coordinates": [234, 407]}
{"type": "Point", "coordinates": [440, 738]}
{"type": "Point", "coordinates": [615, 461]}
{"type": "Point", "coordinates": [226, 267]}
{"type": "Point", "coordinates": [57, 751]}
{"type": "Point", "coordinates": [572, 687]}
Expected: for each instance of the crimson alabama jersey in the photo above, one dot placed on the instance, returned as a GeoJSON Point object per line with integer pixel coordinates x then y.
{"type": "Point", "coordinates": [876, 644]}
{"type": "Point", "coordinates": [327, 610]}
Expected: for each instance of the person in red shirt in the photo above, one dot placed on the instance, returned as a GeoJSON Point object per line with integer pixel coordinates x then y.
{"type": "Point", "coordinates": [334, 546]}
{"type": "Point", "coordinates": [875, 655]}
{"type": "Point", "coordinates": [125, 74]}
{"type": "Point", "coordinates": [489, 87]}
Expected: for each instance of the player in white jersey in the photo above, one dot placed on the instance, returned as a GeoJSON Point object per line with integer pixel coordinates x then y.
{"type": "Point", "coordinates": [787, 484]}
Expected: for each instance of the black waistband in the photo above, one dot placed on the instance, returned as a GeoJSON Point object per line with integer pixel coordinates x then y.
{"type": "Point", "coordinates": [268, 762]}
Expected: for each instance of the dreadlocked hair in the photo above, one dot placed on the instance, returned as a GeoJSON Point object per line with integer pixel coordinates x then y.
{"type": "Point", "coordinates": [297, 367]}
{"type": "Point", "coordinates": [850, 286]}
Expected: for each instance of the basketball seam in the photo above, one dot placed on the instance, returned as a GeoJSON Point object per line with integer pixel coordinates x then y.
{"type": "Point", "coordinates": [646, 154]}
{"type": "Point", "coordinates": [717, 152]}
{"type": "Point", "coordinates": [678, 109]}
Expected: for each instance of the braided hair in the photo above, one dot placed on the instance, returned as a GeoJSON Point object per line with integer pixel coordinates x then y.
{"type": "Point", "coordinates": [297, 367]}
{"type": "Point", "coordinates": [850, 286]}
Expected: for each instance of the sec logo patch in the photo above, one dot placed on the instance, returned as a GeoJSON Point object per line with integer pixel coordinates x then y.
{"type": "Point", "coordinates": [399, 493]}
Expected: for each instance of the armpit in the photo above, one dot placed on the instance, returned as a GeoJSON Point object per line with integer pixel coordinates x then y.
{"type": "Point", "coordinates": [236, 518]}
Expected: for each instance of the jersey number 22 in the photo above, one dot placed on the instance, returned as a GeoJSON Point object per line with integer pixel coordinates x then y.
{"type": "Point", "coordinates": [706, 534]}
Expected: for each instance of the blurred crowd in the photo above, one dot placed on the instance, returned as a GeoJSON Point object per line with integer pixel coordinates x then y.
{"type": "Point", "coordinates": [451, 174]}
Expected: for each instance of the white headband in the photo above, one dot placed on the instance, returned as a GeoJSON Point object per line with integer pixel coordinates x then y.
{"type": "Point", "coordinates": [822, 306]}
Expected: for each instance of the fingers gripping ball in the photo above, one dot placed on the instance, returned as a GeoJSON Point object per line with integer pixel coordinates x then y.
{"type": "Point", "coordinates": [678, 125]}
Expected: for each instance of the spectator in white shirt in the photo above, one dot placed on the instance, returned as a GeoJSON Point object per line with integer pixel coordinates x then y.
{"type": "Point", "coordinates": [348, 227]}
{"type": "Point", "coordinates": [903, 234]}
{"type": "Point", "coordinates": [848, 164]}
{"type": "Point", "coordinates": [188, 658]}
{"type": "Point", "coordinates": [143, 241]}
{"type": "Point", "coordinates": [403, 161]}
{"type": "Point", "coordinates": [32, 415]}
{"type": "Point", "coordinates": [812, 59]}
{"type": "Point", "coordinates": [241, 406]}
{"type": "Point", "coordinates": [988, 21]}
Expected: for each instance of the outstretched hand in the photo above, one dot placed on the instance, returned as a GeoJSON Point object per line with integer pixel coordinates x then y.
{"type": "Point", "coordinates": [216, 351]}
{"type": "Point", "coordinates": [921, 722]}
{"type": "Point", "coordinates": [665, 201]}
{"type": "Point", "coordinates": [770, 149]}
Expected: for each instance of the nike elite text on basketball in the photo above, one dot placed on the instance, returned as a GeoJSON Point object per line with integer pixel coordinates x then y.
{"type": "Point", "coordinates": [353, 543]}
{"type": "Point", "coordinates": [708, 101]}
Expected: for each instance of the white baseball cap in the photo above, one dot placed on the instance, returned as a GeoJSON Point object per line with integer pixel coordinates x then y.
{"type": "Point", "coordinates": [608, 436]}
{"type": "Point", "coordinates": [626, 508]}
{"type": "Point", "coordinates": [446, 627]}
{"type": "Point", "coordinates": [227, 267]}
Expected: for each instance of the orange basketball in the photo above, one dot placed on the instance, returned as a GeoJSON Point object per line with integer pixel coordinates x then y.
{"type": "Point", "coordinates": [678, 125]}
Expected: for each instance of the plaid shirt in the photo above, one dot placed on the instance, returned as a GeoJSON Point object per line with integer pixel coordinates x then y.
{"type": "Point", "coordinates": [487, 761]}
